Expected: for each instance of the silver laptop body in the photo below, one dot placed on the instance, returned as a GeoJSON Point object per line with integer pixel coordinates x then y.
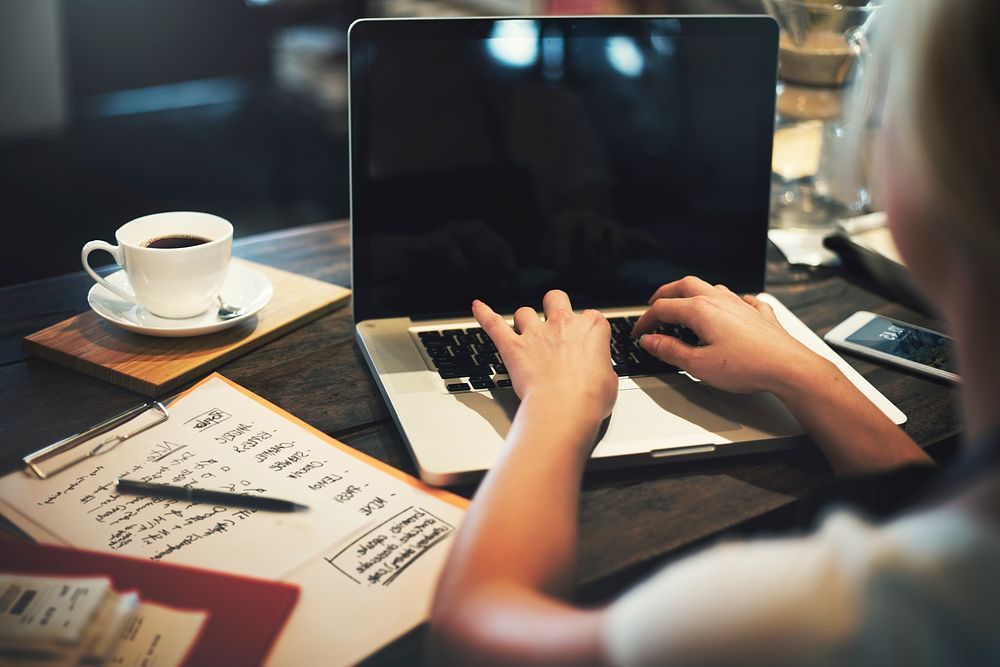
{"type": "Point", "coordinates": [498, 158]}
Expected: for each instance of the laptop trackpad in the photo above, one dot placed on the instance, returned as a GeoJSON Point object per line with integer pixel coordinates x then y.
{"type": "Point", "coordinates": [671, 406]}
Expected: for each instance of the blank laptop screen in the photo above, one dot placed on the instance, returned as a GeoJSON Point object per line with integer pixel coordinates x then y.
{"type": "Point", "coordinates": [500, 158]}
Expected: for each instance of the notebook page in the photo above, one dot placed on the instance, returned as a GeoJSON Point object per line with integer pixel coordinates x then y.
{"type": "Point", "coordinates": [220, 436]}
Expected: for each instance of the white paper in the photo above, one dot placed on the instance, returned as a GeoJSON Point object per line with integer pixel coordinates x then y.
{"type": "Point", "coordinates": [157, 636]}
{"type": "Point", "coordinates": [353, 600]}
{"type": "Point", "coordinates": [220, 438]}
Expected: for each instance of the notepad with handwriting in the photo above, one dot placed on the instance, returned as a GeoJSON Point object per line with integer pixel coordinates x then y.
{"type": "Point", "coordinates": [366, 555]}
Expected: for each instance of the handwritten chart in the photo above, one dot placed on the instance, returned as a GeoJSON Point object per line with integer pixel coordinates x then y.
{"type": "Point", "coordinates": [373, 536]}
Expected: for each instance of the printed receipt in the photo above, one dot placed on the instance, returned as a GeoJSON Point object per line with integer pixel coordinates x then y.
{"type": "Point", "coordinates": [43, 611]}
{"type": "Point", "coordinates": [373, 539]}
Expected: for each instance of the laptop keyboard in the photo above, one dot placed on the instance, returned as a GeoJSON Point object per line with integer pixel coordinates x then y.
{"type": "Point", "coordinates": [459, 354]}
{"type": "Point", "coordinates": [467, 359]}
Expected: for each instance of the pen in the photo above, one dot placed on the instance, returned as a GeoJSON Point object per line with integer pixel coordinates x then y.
{"type": "Point", "coordinates": [206, 496]}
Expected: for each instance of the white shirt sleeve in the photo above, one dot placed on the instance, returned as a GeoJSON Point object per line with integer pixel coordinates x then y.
{"type": "Point", "coordinates": [821, 599]}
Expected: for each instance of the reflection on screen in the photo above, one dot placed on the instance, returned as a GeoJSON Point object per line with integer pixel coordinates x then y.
{"type": "Point", "coordinates": [900, 340]}
{"type": "Point", "coordinates": [530, 155]}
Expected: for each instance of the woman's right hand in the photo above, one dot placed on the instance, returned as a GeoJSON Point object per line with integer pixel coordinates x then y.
{"type": "Point", "coordinates": [744, 348]}
{"type": "Point", "coordinates": [566, 358]}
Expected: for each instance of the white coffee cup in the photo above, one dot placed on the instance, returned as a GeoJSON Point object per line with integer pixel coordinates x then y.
{"type": "Point", "coordinates": [173, 282]}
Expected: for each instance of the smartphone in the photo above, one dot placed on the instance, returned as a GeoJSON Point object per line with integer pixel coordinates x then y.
{"type": "Point", "coordinates": [907, 345]}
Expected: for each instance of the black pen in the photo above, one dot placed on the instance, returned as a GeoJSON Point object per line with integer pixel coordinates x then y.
{"type": "Point", "coordinates": [207, 496]}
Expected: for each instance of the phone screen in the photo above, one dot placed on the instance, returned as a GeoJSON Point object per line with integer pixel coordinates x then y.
{"type": "Point", "coordinates": [902, 340]}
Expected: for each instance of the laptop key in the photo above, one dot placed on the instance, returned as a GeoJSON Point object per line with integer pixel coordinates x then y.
{"type": "Point", "coordinates": [482, 384]}
{"type": "Point", "coordinates": [428, 336]}
{"type": "Point", "coordinates": [457, 387]}
{"type": "Point", "coordinates": [463, 371]}
{"type": "Point", "coordinates": [454, 362]}
{"type": "Point", "coordinates": [504, 383]}
{"type": "Point", "coordinates": [644, 367]}
{"type": "Point", "coordinates": [622, 338]}
{"type": "Point", "coordinates": [439, 352]}
{"type": "Point", "coordinates": [457, 360]}
{"type": "Point", "coordinates": [500, 369]}
{"type": "Point", "coordinates": [485, 358]}
{"type": "Point", "coordinates": [434, 342]}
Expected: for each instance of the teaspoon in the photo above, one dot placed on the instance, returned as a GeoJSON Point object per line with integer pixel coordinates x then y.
{"type": "Point", "coordinates": [227, 312]}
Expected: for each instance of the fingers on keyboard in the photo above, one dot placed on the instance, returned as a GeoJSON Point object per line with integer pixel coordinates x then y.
{"type": "Point", "coordinates": [469, 354]}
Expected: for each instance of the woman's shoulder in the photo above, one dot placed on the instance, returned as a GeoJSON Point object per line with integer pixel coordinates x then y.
{"type": "Point", "coordinates": [849, 590]}
{"type": "Point", "coordinates": [932, 592]}
{"type": "Point", "coordinates": [952, 542]}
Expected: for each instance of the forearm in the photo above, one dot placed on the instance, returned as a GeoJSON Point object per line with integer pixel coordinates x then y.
{"type": "Point", "coordinates": [853, 434]}
{"type": "Point", "coordinates": [501, 599]}
{"type": "Point", "coordinates": [522, 527]}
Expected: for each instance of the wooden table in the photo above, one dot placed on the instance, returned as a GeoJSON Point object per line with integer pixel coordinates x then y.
{"type": "Point", "coordinates": [630, 520]}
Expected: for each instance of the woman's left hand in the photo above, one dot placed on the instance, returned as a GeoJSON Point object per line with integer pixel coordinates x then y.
{"type": "Point", "coordinates": [566, 358]}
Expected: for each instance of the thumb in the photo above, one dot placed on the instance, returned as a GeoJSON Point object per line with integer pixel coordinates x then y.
{"type": "Point", "coordinates": [672, 350]}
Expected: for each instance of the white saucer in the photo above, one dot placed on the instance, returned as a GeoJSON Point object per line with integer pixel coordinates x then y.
{"type": "Point", "coordinates": [244, 288]}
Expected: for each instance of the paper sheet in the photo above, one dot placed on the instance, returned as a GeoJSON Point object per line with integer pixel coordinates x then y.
{"type": "Point", "coordinates": [374, 585]}
{"type": "Point", "coordinates": [157, 636]}
{"type": "Point", "coordinates": [373, 540]}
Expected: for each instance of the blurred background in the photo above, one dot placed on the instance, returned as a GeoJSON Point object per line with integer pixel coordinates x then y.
{"type": "Point", "coordinates": [111, 110]}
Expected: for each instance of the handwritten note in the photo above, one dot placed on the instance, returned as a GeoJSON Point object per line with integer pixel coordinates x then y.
{"type": "Point", "coordinates": [382, 553]}
{"type": "Point", "coordinates": [371, 530]}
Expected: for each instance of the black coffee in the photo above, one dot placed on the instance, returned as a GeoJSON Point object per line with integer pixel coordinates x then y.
{"type": "Point", "coordinates": [177, 241]}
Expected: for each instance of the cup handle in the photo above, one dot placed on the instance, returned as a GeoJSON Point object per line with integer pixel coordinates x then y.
{"type": "Point", "coordinates": [115, 252]}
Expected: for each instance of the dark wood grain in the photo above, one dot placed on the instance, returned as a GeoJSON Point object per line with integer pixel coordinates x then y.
{"type": "Point", "coordinates": [629, 519]}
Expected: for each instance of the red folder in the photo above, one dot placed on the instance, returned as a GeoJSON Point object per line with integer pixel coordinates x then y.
{"type": "Point", "coordinates": [244, 615]}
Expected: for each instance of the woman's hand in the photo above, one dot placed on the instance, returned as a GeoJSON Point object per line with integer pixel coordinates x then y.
{"type": "Point", "coordinates": [566, 358]}
{"type": "Point", "coordinates": [745, 348]}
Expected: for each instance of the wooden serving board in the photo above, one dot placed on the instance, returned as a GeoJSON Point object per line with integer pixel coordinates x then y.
{"type": "Point", "coordinates": [153, 366]}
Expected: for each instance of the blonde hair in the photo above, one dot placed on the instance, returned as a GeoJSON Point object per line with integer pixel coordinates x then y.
{"type": "Point", "coordinates": [944, 96]}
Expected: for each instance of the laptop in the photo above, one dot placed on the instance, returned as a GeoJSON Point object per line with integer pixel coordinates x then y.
{"type": "Point", "coordinates": [497, 158]}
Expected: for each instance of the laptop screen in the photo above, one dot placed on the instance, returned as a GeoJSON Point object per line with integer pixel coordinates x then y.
{"type": "Point", "coordinates": [500, 158]}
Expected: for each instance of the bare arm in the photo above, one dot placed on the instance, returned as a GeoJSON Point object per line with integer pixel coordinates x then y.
{"type": "Point", "coordinates": [747, 350]}
{"type": "Point", "coordinates": [503, 595]}
{"type": "Point", "coordinates": [502, 598]}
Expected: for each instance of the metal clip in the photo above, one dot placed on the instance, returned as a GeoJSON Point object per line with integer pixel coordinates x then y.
{"type": "Point", "coordinates": [69, 451]}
